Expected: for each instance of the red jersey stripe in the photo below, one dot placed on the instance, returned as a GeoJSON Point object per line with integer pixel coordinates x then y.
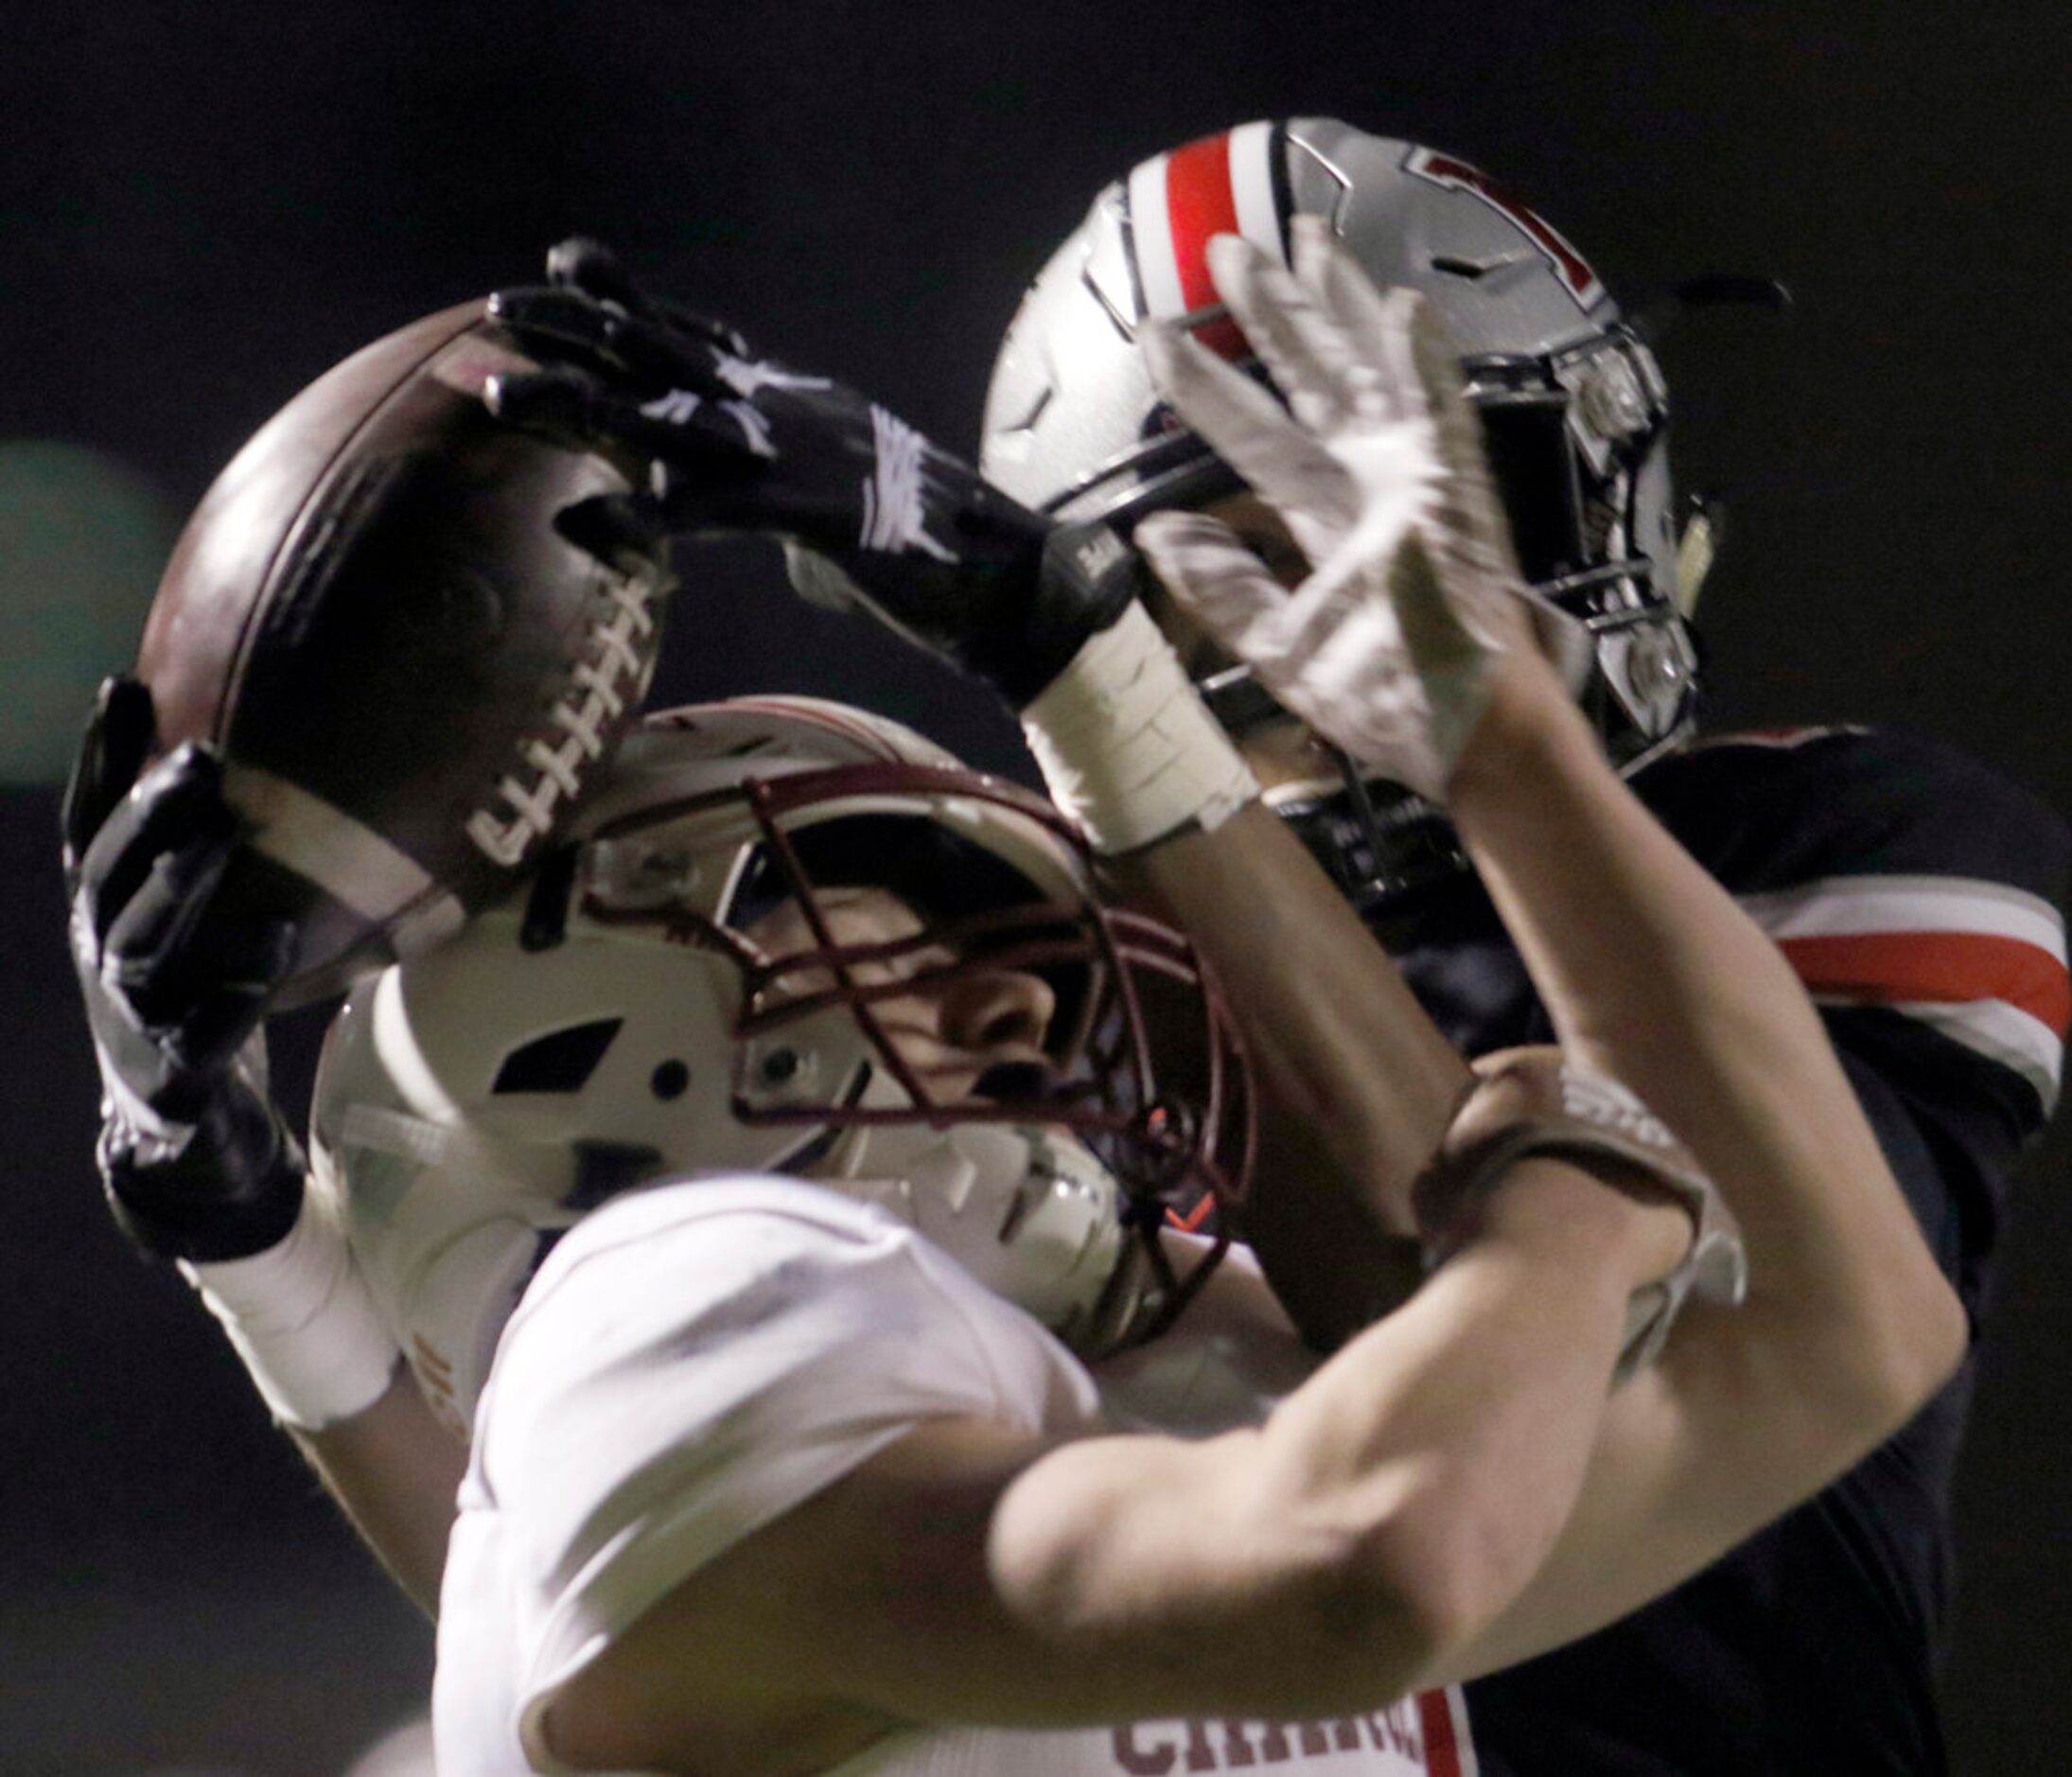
{"type": "Point", "coordinates": [1941, 967]}
{"type": "Point", "coordinates": [1441, 1747]}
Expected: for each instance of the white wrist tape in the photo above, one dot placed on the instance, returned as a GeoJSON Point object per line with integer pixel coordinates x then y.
{"type": "Point", "coordinates": [301, 1317]}
{"type": "Point", "coordinates": [1126, 745]}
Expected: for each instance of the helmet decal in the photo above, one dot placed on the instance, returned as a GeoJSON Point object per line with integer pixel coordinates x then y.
{"type": "Point", "coordinates": [1454, 174]}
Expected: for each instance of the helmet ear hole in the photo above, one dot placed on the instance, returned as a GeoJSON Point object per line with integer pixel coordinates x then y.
{"type": "Point", "coordinates": [610, 1027]}
{"type": "Point", "coordinates": [562, 1060]}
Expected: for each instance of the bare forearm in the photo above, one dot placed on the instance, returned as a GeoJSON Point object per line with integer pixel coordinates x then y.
{"type": "Point", "coordinates": [1489, 1385]}
{"type": "Point", "coordinates": [1653, 975]}
{"type": "Point", "coordinates": [394, 1470]}
{"type": "Point", "coordinates": [1357, 1082]}
{"type": "Point", "coordinates": [1391, 1507]}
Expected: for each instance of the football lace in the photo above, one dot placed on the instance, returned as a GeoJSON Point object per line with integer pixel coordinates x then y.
{"type": "Point", "coordinates": [600, 689]}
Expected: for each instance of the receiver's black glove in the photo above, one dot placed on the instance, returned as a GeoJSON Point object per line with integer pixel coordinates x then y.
{"type": "Point", "coordinates": [197, 1162]}
{"type": "Point", "coordinates": [872, 513]}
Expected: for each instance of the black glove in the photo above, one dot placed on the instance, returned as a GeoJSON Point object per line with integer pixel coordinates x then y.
{"type": "Point", "coordinates": [197, 1162]}
{"type": "Point", "coordinates": [738, 443]}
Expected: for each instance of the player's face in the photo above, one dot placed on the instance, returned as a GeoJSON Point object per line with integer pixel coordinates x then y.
{"type": "Point", "coordinates": [954, 1025]}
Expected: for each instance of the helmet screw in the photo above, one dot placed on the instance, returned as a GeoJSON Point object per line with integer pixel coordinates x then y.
{"type": "Point", "coordinates": [780, 1067]}
{"type": "Point", "coordinates": [670, 1079]}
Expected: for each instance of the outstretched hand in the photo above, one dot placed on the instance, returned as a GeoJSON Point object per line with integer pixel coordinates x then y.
{"type": "Point", "coordinates": [874, 516]}
{"type": "Point", "coordinates": [1389, 647]}
{"type": "Point", "coordinates": [197, 1162]}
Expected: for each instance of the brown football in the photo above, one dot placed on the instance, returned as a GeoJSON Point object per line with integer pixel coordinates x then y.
{"type": "Point", "coordinates": [409, 673]}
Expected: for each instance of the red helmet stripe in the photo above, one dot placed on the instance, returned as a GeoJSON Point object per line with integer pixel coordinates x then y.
{"type": "Point", "coordinates": [1200, 203]}
{"type": "Point", "coordinates": [1222, 185]}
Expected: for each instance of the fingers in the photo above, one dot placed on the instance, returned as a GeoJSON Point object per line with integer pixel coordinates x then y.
{"type": "Point", "coordinates": [561, 404]}
{"type": "Point", "coordinates": [1246, 426]}
{"type": "Point", "coordinates": [571, 328]}
{"type": "Point", "coordinates": [589, 413]}
{"type": "Point", "coordinates": [714, 331]}
{"type": "Point", "coordinates": [627, 533]}
{"type": "Point", "coordinates": [178, 802]}
{"type": "Point", "coordinates": [148, 927]}
{"type": "Point", "coordinates": [1218, 580]}
{"type": "Point", "coordinates": [121, 733]}
{"type": "Point", "coordinates": [192, 981]}
{"type": "Point", "coordinates": [155, 923]}
{"type": "Point", "coordinates": [563, 326]}
{"type": "Point", "coordinates": [582, 264]}
{"type": "Point", "coordinates": [1330, 385]}
{"type": "Point", "coordinates": [594, 270]}
{"type": "Point", "coordinates": [1376, 323]}
{"type": "Point", "coordinates": [591, 312]}
{"type": "Point", "coordinates": [1437, 363]}
{"type": "Point", "coordinates": [225, 997]}
{"type": "Point", "coordinates": [1311, 243]}
{"type": "Point", "coordinates": [1470, 511]}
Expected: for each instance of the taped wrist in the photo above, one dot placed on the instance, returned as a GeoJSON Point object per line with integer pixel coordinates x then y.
{"type": "Point", "coordinates": [1126, 745]}
{"type": "Point", "coordinates": [302, 1318]}
{"type": "Point", "coordinates": [1529, 1101]}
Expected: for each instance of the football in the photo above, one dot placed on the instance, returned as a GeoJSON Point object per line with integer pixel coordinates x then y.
{"type": "Point", "coordinates": [409, 673]}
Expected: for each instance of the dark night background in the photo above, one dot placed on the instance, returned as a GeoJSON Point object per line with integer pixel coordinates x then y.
{"type": "Point", "coordinates": [206, 207]}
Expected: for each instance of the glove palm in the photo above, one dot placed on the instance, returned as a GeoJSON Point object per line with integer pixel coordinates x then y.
{"type": "Point", "coordinates": [1376, 466]}
{"type": "Point", "coordinates": [196, 1161]}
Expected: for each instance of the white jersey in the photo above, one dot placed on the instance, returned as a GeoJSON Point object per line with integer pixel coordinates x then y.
{"type": "Point", "coordinates": [695, 1360]}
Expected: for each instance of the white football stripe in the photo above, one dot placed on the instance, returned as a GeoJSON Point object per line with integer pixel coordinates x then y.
{"type": "Point", "coordinates": [470, 360]}
{"type": "Point", "coordinates": [348, 860]}
{"type": "Point", "coordinates": [431, 923]}
{"type": "Point", "coordinates": [1150, 229]}
{"type": "Point", "coordinates": [1251, 186]}
{"type": "Point", "coordinates": [1991, 1028]}
{"type": "Point", "coordinates": [1848, 905]}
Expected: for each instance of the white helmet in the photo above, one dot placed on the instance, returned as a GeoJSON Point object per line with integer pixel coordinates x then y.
{"type": "Point", "coordinates": [1573, 406]}
{"type": "Point", "coordinates": [611, 1026]}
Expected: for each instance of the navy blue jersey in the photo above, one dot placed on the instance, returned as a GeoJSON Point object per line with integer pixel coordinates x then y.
{"type": "Point", "coordinates": [1917, 895]}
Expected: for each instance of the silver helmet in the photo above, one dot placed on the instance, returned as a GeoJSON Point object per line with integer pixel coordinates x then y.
{"type": "Point", "coordinates": [1573, 406]}
{"type": "Point", "coordinates": [620, 1020]}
